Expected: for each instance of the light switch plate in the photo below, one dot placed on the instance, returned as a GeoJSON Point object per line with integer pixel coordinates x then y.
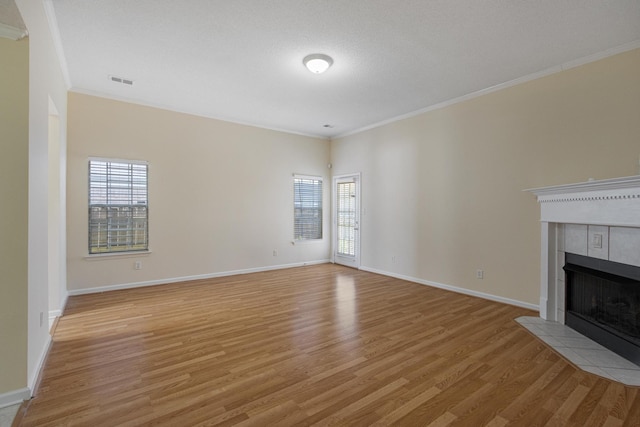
{"type": "Point", "coordinates": [597, 241]}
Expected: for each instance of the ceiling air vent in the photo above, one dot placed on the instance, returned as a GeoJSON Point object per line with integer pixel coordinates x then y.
{"type": "Point", "coordinates": [121, 80]}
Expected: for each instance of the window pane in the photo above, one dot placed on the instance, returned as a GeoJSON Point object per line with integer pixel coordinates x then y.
{"type": "Point", "coordinates": [346, 221]}
{"type": "Point", "coordinates": [118, 208]}
{"type": "Point", "coordinates": [307, 208]}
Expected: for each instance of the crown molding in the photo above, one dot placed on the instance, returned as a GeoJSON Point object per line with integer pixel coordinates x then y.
{"type": "Point", "coordinates": [635, 44]}
{"type": "Point", "coordinates": [13, 33]}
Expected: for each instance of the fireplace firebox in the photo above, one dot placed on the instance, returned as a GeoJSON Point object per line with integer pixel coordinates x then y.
{"type": "Point", "coordinates": [603, 303]}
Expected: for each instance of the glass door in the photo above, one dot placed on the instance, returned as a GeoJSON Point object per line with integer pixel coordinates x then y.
{"type": "Point", "coordinates": [347, 220]}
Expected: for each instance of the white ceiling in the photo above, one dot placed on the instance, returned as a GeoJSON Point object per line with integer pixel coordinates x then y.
{"type": "Point", "coordinates": [241, 60]}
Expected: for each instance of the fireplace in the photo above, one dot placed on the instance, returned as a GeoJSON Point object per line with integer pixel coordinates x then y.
{"type": "Point", "coordinates": [592, 230]}
{"type": "Point", "coordinates": [603, 303]}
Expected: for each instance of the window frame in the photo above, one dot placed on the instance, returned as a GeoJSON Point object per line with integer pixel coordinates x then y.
{"type": "Point", "coordinates": [125, 213]}
{"type": "Point", "coordinates": [319, 208]}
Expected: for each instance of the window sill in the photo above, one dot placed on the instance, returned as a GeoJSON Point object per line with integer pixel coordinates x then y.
{"type": "Point", "coordinates": [306, 242]}
{"type": "Point", "coordinates": [100, 257]}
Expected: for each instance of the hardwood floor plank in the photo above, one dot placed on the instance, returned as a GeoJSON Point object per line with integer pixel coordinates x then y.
{"type": "Point", "coordinates": [498, 421]}
{"type": "Point", "coordinates": [614, 422]}
{"type": "Point", "coordinates": [589, 403]}
{"type": "Point", "coordinates": [392, 417]}
{"type": "Point", "coordinates": [569, 406]}
{"type": "Point", "coordinates": [323, 345]}
{"type": "Point", "coordinates": [367, 401]}
{"type": "Point", "coordinates": [443, 420]}
{"type": "Point", "coordinates": [529, 404]}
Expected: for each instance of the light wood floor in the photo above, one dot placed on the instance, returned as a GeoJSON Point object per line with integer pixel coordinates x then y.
{"type": "Point", "coordinates": [324, 345]}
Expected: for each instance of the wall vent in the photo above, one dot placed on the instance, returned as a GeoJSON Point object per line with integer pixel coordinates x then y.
{"type": "Point", "coordinates": [122, 80]}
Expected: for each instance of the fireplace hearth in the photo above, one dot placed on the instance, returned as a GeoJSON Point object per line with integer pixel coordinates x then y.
{"type": "Point", "coordinates": [603, 303]}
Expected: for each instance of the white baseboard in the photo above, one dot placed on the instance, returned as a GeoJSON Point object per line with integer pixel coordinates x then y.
{"type": "Point", "coordinates": [33, 377]}
{"type": "Point", "coordinates": [454, 289]}
{"type": "Point", "coordinates": [57, 313]}
{"type": "Point", "coordinates": [52, 316]}
{"type": "Point", "coordinates": [187, 278]}
{"type": "Point", "coordinates": [14, 397]}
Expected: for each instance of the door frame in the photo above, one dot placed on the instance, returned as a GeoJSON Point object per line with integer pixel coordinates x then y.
{"type": "Point", "coordinates": [334, 215]}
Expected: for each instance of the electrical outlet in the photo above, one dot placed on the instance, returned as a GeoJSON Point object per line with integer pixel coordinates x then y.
{"type": "Point", "coordinates": [479, 274]}
{"type": "Point", "coordinates": [393, 258]}
{"type": "Point", "coordinates": [137, 265]}
{"type": "Point", "coordinates": [275, 252]}
{"type": "Point", "coordinates": [41, 319]}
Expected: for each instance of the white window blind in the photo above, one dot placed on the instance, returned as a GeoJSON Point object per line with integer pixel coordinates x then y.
{"type": "Point", "coordinates": [118, 206]}
{"type": "Point", "coordinates": [307, 212]}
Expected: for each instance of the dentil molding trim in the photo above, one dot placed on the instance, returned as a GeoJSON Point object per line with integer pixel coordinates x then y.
{"type": "Point", "coordinates": [613, 202]}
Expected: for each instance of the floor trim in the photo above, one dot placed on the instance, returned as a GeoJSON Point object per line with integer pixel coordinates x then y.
{"type": "Point", "coordinates": [14, 397]}
{"type": "Point", "coordinates": [456, 289]}
{"type": "Point", "coordinates": [72, 292]}
{"type": "Point", "coordinates": [37, 372]}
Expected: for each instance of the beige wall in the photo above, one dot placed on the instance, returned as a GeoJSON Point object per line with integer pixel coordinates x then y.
{"type": "Point", "coordinates": [442, 191]}
{"type": "Point", "coordinates": [14, 152]}
{"type": "Point", "coordinates": [220, 194]}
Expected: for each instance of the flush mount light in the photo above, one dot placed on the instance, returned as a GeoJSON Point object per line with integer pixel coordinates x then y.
{"type": "Point", "coordinates": [317, 62]}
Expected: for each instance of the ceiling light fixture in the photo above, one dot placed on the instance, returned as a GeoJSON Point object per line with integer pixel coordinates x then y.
{"type": "Point", "coordinates": [317, 63]}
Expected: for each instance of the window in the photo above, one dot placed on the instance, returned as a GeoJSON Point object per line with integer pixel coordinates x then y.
{"type": "Point", "coordinates": [307, 208]}
{"type": "Point", "coordinates": [118, 206]}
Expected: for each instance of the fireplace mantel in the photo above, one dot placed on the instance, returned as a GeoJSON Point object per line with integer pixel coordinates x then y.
{"type": "Point", "coordinates": [604, 203]}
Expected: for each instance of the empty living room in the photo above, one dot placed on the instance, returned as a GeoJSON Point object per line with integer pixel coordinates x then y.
{"type": "Point", "coordinates": [356, 213]}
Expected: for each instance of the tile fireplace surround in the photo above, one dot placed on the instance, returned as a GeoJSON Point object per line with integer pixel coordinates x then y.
{"type": "Point", "coordinates": [599, 219]}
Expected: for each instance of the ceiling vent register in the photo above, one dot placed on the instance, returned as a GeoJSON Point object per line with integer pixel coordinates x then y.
{"type": "Point", "coordinates": [122, 80]}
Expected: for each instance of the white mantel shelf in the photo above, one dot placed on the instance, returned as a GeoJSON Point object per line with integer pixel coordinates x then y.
{"type": "Point", "coordinates": [547, 193]}
{"type": "Point", "coordinates": [612, 202]}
